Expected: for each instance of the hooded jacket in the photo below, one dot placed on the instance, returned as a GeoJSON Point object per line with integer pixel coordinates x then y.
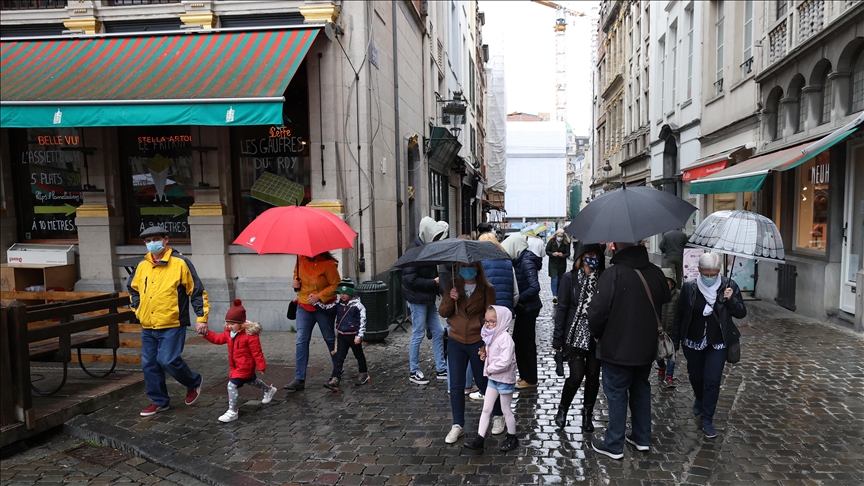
{"type": "Point", "coordinates": [500, 362]}
{"type": "Point", "coordinates": [418, 282]}
{"type": "Point", "coordinates": [162, 290]}
{"type": "Point", "coordinates": [620, 314]}
{"type": "Point", "coordinates": [525, 264]}
{"type": "Point", "coordinates": [244, 350]}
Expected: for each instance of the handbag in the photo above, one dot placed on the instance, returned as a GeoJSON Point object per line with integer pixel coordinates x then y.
{"type": "Point", "coordinates": [292, 306]}
{"type": "Point", "coordinates": [665, 348]}
{"type": "Point", "coordinates": [733, 351]}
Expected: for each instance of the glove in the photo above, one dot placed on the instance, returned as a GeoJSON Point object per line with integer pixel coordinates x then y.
{"type": "Point", "coordinates": [559, 363]}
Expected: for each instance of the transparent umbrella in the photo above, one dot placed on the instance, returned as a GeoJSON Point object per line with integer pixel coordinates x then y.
{"type": "Point", "coordinates": [741, 234]}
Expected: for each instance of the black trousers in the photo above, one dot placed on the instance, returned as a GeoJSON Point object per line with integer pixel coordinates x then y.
{"type": "Point", "coordinates": [525, 338]}
{"type": "Point", "coordinates": [344, 342]}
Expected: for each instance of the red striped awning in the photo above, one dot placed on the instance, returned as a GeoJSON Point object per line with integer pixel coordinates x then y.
{"type": "Point", "coordinates": [157, 72]}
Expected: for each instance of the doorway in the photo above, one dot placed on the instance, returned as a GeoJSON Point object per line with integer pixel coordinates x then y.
{"type": "Point", "coordinates": [853, 238]}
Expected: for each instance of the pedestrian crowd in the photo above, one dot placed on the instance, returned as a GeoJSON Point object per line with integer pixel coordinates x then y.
{"type": "Point", "coordinates": [607, 322]}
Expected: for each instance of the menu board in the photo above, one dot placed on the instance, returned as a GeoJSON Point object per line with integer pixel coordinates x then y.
{"type": "Point", "coordinates": [158, 163]}
{"type": "Point", "coordinates": [48, 168]}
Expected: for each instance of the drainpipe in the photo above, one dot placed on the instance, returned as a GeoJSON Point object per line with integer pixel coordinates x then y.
{"type": "Point", "coordinates": [398, 142]}
{"type": "Point", "coordinates": [371, 161]}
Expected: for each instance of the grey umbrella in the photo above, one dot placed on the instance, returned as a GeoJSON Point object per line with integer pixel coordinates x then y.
{"type": "Point", "coordinates": [629, 215]}
{"type": "Point", "coordinates": [451, 251]}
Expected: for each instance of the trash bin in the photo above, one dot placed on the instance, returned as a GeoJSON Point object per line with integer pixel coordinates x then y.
{"type": "Point", "coordinates": [373, 294]}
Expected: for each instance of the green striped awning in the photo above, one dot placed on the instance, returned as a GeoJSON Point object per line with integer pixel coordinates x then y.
{"type": "Point", "coordinates": [179, 78]}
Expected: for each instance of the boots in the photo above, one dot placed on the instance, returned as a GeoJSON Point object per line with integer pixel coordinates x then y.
{"type": "Point", "coordinates": [567, 394]}
{"type": "Point", "coordinates": [475, 447]}
{"type": "Point", "coordinates": [510, 443]}
{"type": "Point", "coordinates": [587, 416]}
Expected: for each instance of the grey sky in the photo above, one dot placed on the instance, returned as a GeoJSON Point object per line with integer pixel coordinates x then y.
{"type": "Point", "coordinates": [523, 32]}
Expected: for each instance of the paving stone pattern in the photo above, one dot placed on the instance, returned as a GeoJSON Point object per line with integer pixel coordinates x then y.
{"type": "Point", "coordinates": [791, 412]}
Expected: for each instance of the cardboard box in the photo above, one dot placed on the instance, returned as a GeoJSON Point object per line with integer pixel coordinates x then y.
{"type": "Point", "coordinates": [41, 254]}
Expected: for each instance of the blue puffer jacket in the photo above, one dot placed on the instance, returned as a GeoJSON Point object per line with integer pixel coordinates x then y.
{"type": "Point", "coordinates": [526, 266]}
{"type": "Point", "coordinates": [499, 273]}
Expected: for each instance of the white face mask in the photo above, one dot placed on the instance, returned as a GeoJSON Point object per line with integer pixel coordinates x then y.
{"type": "Point", "coordinates": [559, 239]}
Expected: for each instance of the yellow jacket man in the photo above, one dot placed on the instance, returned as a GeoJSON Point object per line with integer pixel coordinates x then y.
{"type": "Point", "coordinates": [162, 287]}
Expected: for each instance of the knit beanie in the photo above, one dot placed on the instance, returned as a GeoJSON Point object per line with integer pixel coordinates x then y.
{"type": "Point", "coordinates": [237, 313]}
{"type": "Point", "coordinates": [346, 286]}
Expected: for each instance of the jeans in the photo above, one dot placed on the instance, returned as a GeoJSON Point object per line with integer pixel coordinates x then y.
{"type": "Point", "coordinates": [305, 322]}
{"type": "Point", "coordinates": [525, 337]}
{"type": "Point", "coordinates": [425, 316]}
{"type": "Point", "coordinates": [458, 356]}
{"type": "Point", "coordinates": [554, 283]}
{"type": "Point", "coordinates": [469, 374]}
{"type": "Point", "coordinates": [160, 352]}
{"type": "Point", "coordinates": [705, 368]}
{"type": "Point", "coordinates": [346, 342]}
{"type": "Point", "coordinates": [623, 385]}
{"type": "Point", "coordinates": [667, 364]}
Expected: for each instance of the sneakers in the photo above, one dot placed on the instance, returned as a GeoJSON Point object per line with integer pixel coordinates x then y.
{"type": "Point", "coordinates": [229, 416]}
{"type": "Point", "coordinates": [454, 434]}
{"type": "Point", "coordinates": [661, 374]}
{"type": "Point", "coordinates": [333, 384]}
{"type": "Point", "coordinates": [362, 379]}
{"type": "Point", "coordinates": [418, 378]}
{"type": "Point", "coordinates": [192, 394]}
{"type": "Point", "coordinates": [441, 375]}
{"type": "Point", "coordinates": [670, 383]}
{"type": "Point", "coordinates": [268, 395]}
{"type": "Point", "coordinates": [295, 385]}
{"type": "Point", "coordinates": [521, 384]}
{"type": "Point", "coordinates": [153, 409]}
{"type": "Point", "coordinates": [477, 396]}
{"type": "Point", "coordinates": [510, 443]}
{"type": "Point", "coordinates": [710, 431]}
{"type": "Point", "coordinates": [475, 447]}
{"type": "Point", "coordinates": [498, 425]}
{"type": "Point", "coordinates": [643, 448]}
{"type": "Point", "coordinates": [599, 447]}
{"type": "Point", "coordinates": [473, 389]}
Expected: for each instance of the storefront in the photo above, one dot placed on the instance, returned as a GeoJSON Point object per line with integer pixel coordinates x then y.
{"type": "Point", "coordinates": [798, 189]}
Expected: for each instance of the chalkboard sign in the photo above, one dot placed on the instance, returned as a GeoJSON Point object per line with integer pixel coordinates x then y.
{"type": "Point", "coordinates": [158, 172]}
{"type": "Point", "coordinates": [48, 166]}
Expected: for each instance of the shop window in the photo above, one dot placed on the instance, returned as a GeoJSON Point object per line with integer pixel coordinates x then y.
{"type": "Point", "coordinates": [158, 166]}
{"type": "Point", "coordinates": [47, 166]}
{"type": "Point", "coordinates": [811, 205]}
{"type": "Point", "coordinates": [721, 202]}
{"type": "Point", "coordinates": [271, 165]}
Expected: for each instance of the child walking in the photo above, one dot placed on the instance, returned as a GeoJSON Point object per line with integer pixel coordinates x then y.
{"type": "Point", "coordinates": [499, 355]}
{"type": "Point", "coordinates": [350, 326]}
{"type": "Point", "coordinates": [666, 368]}
{"type": "Point", "coordinates": [244, 356]}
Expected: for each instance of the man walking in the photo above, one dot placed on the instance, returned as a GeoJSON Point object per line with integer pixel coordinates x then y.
{"type": "Point", "coordinates": [420, 288]}
{"type": "Point", "coordinates": [622, 320]}
{"type": "Point", "coordinates": [672, 246]}
{"type": "Point", "coordinates": [162, 287]}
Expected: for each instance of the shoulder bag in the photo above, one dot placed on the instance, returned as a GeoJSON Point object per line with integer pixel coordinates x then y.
{"type": "Point", "coordinates": [733, 351]}
{"type": "Point", "coordinates": [292, 306]}
{"type": "Point", "coordinates": [665, 348]}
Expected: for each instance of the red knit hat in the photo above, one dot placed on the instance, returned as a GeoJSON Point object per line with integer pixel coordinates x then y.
{"type": "Point", "coordinates": [236, 313]}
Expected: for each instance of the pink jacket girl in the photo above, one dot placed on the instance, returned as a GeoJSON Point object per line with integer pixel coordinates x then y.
{"type": "Point", "coordinates": [501, 350]}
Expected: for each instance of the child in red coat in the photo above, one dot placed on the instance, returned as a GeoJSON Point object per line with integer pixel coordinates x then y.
{"type": "Point", "coordinates": [244, 356]}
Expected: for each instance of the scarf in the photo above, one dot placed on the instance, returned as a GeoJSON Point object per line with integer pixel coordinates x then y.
{"type": "Point", "coordinates": [710, 294]}
{"type": "Point", "coordinates": [580, 334]}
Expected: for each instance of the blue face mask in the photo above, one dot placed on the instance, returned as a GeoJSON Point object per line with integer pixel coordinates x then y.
{"type": "Point", "coordinates": [155, 247]}
{"type": "Point", "coordinates": [592, 261]}
{"type": "Point", "coordinates": [709, 281]}
{"type": "Point", "coordinates": [468, 273]}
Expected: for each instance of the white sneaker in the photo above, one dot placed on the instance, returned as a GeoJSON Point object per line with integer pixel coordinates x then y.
{"type": "Point", "coordinates": [268, 395]}
{"type": "Point", "coordinates": [477, 396]}
{"type": "Point", "coordinates": [498, 425]}
{"type": "Point", "coordinates": [229, 416]}
{"type": "Point", "coordinates": [454, 434]}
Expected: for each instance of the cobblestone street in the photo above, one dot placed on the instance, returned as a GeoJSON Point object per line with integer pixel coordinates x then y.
{"type": "Point", "coordinates": [791, 412]}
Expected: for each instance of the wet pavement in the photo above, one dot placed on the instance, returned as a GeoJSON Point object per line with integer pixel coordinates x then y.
{"type": "Point", "coordinates": [791, 412]}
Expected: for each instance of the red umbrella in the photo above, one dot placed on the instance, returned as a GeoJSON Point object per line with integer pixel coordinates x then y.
{"type": "Point", "coordinates": [297, 230]}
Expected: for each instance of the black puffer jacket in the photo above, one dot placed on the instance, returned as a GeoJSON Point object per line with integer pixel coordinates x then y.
{"type": "Point", "coordinates": [526, 265]}
{"type": "Point", "coordinates": [724, 309]}
{"type": "Point", "coordinates": [620, 313]}
{"type": "Point", "coordinates": [418, 282]}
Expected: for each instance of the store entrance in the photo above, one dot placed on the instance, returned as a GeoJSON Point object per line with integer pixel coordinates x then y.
{"type": "Point", "coordinates": [853, 242]}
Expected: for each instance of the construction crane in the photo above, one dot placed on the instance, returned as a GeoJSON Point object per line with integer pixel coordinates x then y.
{"type": "Point", "coordinates": [560, 56]}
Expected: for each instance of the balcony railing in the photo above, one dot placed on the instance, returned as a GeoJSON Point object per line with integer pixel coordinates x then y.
{"type": "Point", "coordinates": [718, 86]}
{"type": "Point", "coordinates": [811, 18]}
{"type": "Point", "coordinates": [31, 4]}
{"type": "Point", "coordinates": [747, 66]}
{"type": "Point", "coordinates": [777, 42]}
{"type": "Point", "coordinates": [123, 3]}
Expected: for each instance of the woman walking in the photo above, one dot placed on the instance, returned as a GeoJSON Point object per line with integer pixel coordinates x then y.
{"type": "Point", "coordinates": [573, 337]}
{"type": "Point", "coordinates": [315, 280]}
{"type": "Point", "coordinates": [703, 321]}
{"type": "Point", "coordinates": [558, 250]}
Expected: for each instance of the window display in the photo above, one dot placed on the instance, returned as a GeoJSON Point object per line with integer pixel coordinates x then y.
{"type": "Point", "coordinates": [811, 207]}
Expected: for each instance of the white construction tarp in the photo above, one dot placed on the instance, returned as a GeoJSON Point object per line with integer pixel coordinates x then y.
{"type": "Point", "coordinates": [496, 128]}
{"type": "Point", "coordinates": [536, 170]}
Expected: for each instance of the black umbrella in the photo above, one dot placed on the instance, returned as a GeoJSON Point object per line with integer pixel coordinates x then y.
{"type": "Point", "coordinates": [629, 215]}
{"type": "Point", "coordinates": [451, 251]}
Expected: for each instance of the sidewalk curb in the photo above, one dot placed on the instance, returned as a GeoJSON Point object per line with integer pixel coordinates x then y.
{"type": "Point", "coordinates": [84, 427]}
